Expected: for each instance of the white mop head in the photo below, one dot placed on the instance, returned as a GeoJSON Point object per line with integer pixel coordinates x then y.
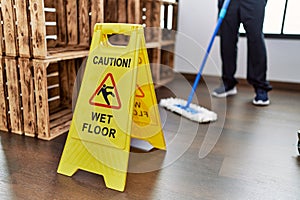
{"type": "Point", "coordinates": [199, 114]}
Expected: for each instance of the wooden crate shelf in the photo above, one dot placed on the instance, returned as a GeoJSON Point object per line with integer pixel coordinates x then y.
{"type": "Point", "coordinates": [42, 45]}
{"type": "Point", "coordinates": [37, 96]}
{"type": "Point", "coordinates": [53, 107]}
{"type": "Point", "coordinates": [35, 28]}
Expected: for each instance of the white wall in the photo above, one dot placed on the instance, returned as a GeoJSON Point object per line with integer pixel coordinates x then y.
{"type": "Point", "coordinates": [196, 23]}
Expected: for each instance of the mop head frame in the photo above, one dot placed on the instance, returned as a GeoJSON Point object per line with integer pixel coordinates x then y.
{"type": "Point", "coordinates": [192, 112]}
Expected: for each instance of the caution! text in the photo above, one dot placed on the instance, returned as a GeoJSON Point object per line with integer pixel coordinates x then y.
{"type": "Point", "coordinates": [111, 61]}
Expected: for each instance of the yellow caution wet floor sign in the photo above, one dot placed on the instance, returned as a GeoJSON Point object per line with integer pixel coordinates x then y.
{"type": "Point", "coordinates": [116, 101]}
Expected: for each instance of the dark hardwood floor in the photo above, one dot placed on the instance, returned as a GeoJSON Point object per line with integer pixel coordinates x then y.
{"type": "Point", "coordinates": [248, 153]}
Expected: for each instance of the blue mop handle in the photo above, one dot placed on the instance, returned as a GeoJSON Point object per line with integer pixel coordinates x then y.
{"type": "Point", "coordinates": [220, 19]}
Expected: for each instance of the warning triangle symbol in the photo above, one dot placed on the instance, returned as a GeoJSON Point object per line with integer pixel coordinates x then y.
{"type": "Point", "coordinates": [139, 92]}
{"type": "Point", "coordinates": [106, 95]}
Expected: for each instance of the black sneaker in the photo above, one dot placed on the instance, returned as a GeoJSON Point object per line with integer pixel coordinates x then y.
{"type": "Point", "coordinates": [261, 98]}
{"type": "Point", "coordinates": [222, 91]}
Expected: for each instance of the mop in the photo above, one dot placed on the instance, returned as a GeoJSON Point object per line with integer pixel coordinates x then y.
{"type": "Point", "coordinates": [186, 108]}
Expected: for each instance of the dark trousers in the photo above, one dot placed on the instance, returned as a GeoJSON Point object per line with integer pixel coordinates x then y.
{"type": "Point", "coordinates": [251, 14]}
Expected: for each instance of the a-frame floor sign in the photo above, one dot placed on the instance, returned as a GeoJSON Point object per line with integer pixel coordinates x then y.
{"type": "Point", "coordinates": [116, 101]}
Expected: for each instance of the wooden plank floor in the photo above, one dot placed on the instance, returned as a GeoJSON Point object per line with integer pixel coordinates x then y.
{"type": "Point", "coordinates": [253, 155]}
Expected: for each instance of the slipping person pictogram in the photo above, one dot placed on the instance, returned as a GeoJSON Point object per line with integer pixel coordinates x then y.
{"type": "Point", "coordinates": [105, 93]}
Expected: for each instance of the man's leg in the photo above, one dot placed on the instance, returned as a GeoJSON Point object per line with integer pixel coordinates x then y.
{"type": "Point", "coordinates": [228, 47]}
{"type": "Point", "coordinates": [229, 38]}
{"type": "Point", "coordinates": [252, 16]}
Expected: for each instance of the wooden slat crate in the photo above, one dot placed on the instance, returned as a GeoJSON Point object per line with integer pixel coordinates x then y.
{"type": "Point", "coordinates": [47, 28]}
{"type": "Point", "coordinates": [54, 84]}
{"type": "Point", "coordinates": [159, 18]}
{"type": "Point", "coordinates": [9, 28]}
{"type": "Point", "coordinates": [36, 96]}
{"type": "Point", "coordinates": [156, 16]}
{"type": "Point", "coordinates": [122, 11]}
{"type": "Point", "coordinates": [150, 18]}
{"type": "Point", "coordinates": [14, 28]}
